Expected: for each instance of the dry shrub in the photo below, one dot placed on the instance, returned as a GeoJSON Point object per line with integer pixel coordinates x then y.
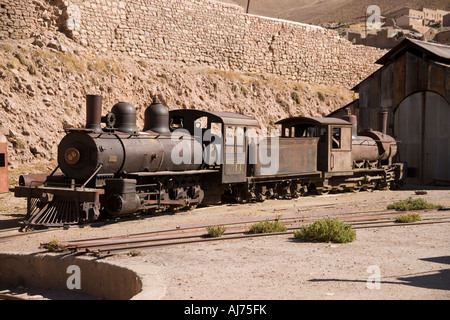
{"type": "Point", "coordinates": [268, 227]}
{"type": "Point", "coordinates": [327, 230]}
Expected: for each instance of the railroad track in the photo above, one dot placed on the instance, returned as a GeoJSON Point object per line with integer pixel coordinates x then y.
{"type": "Point", "coordinates": [6, 234]}
{"type": "Point", "coordinates": [329, 210]}
{"type": "Point", "coordinates": [237, 229]}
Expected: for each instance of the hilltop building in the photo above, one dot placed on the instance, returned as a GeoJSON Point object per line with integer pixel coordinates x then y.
{"type": "Point", "coordinates": [425, 24]}
{"type": "Point", "coordinates": [422, 20]}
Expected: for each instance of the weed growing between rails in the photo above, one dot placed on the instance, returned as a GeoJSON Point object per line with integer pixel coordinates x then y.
{"type": "Point", "coordinates": [408, 218]}
{"type": "Point", "coordinates": [268, 226]}
{"type": "Point", "coordinates": [413, 204]}
{"type": "Point", "coordinates": [327, 230]}
{"type": "Point", "coordinates": [216, 231]}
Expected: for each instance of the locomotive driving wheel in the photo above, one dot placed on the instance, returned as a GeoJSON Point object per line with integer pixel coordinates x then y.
{"type": "Point", "coordinates": [369, 186]}
{"type": "Point", "coordinates": [356, 187]}
{"type": "Point", "coordinates": [323, 190]}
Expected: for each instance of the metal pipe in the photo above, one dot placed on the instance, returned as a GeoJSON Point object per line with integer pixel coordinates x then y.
{"type": "Point", "coordinates": [354, 121]}
{"type": "Point", "coordinates": [383, 118]}
{"type": "Point", "coordinates": [36, 179]}
{"type": "Point", "coordinates": [94, 112]}
{"type": "Point", "coordinates": [87, 181]}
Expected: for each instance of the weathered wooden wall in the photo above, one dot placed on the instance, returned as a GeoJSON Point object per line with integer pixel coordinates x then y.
{"type": "Point", "coordinates": [422, 89]}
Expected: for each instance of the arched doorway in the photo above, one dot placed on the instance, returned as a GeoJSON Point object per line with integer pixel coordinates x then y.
{"type": "Point", "coordinates": [422, 127]}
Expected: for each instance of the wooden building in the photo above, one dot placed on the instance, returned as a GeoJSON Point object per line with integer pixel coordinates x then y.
{"type": "Point", "coordinates": [413, 87]}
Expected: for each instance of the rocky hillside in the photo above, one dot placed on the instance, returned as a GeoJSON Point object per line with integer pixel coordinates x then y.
{"type": "Point", "coordinates": [44, 80]}
{"type": "Point", "coordinates": [321, 12]}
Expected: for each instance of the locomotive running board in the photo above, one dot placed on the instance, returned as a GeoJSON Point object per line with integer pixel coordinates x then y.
{"type": "Point", "coordinates": [55, 207]}
{"type": "Point", "coordinates": [170, 173]}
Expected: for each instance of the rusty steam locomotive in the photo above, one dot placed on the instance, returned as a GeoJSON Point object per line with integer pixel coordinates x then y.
{"type": "Point", "coordinates": [186, 157]}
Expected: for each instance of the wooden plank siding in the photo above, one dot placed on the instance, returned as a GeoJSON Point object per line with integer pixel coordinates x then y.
{"type": "Point", "coordinates": [414, 86]}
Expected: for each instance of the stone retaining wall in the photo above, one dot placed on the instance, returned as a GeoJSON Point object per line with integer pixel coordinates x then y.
{"type": "Point", "coordinates": [98, 279]}
{"type": "Point", "coordinates": [201, 32]}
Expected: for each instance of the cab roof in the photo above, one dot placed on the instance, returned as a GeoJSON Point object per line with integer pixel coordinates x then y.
{"type": "Point", "coordinates": [313, 120]}
{"type": "Point", "coordinates": [227, 118]}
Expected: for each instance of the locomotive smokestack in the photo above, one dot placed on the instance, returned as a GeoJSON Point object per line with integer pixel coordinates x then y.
{"type": "Point", "coordinates": [93, 112]}
{"type": "Point", "coordinates": [352, 119]}
{"type": "Point", "coordinates": [383, 119]}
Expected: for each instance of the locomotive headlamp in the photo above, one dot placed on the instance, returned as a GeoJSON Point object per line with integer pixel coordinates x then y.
{"type": "Point", "coordinates": [72, 156]}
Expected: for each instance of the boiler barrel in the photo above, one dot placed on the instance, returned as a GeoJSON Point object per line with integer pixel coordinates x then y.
{"type": "Point", "coordinates": [81, 154]}
{"type": "Point", "coordinates": [365, 148]}
{"type": "Point", "coordinates": [373, 146]}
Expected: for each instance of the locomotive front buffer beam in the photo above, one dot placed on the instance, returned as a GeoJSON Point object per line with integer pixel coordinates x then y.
{"type": "Point", "coordinates": [52, 206]}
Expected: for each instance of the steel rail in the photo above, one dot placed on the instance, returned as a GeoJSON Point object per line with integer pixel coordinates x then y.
{"type": "Point", "coordinates": [139, 237]}
{"type": "Point", "coordinates": [102, 252]}
{"type": "Point", "coordinates": [397, 224]}
{"type": "Point", "coordinates": [123, 243]}
{"type": "Point", "coordinates": [121, 248]}
{"type": "Point", "coordinates": [10, 229]}
{"type": "Point", "coordinates": [197, 227]}
{"type": "Point", "coordinates": [131, 243]}
{"type": "Point", "coordinates": [26, 233]}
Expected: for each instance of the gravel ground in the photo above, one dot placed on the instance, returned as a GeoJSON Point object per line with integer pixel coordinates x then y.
{"type": "Point", "coordinates": [407, 262]}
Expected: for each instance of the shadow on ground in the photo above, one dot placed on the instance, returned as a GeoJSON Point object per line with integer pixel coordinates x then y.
{"type": "Point", "coordinates": [433, 279]}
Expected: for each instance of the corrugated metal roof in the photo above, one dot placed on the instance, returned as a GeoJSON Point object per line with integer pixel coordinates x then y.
{"type": "Point", "coordinates": [436, 51]}
{"type": "Point", "coordinates": [440, 50]}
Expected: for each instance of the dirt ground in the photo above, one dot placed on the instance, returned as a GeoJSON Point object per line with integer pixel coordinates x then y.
{"type": "Point", "coordinates": [407, 262]}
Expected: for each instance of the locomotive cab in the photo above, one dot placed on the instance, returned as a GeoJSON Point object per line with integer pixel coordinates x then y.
{"type": "Point", "coordinates": [223, 136]}
{"type": "Point", "coordinates": [334, 146]}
